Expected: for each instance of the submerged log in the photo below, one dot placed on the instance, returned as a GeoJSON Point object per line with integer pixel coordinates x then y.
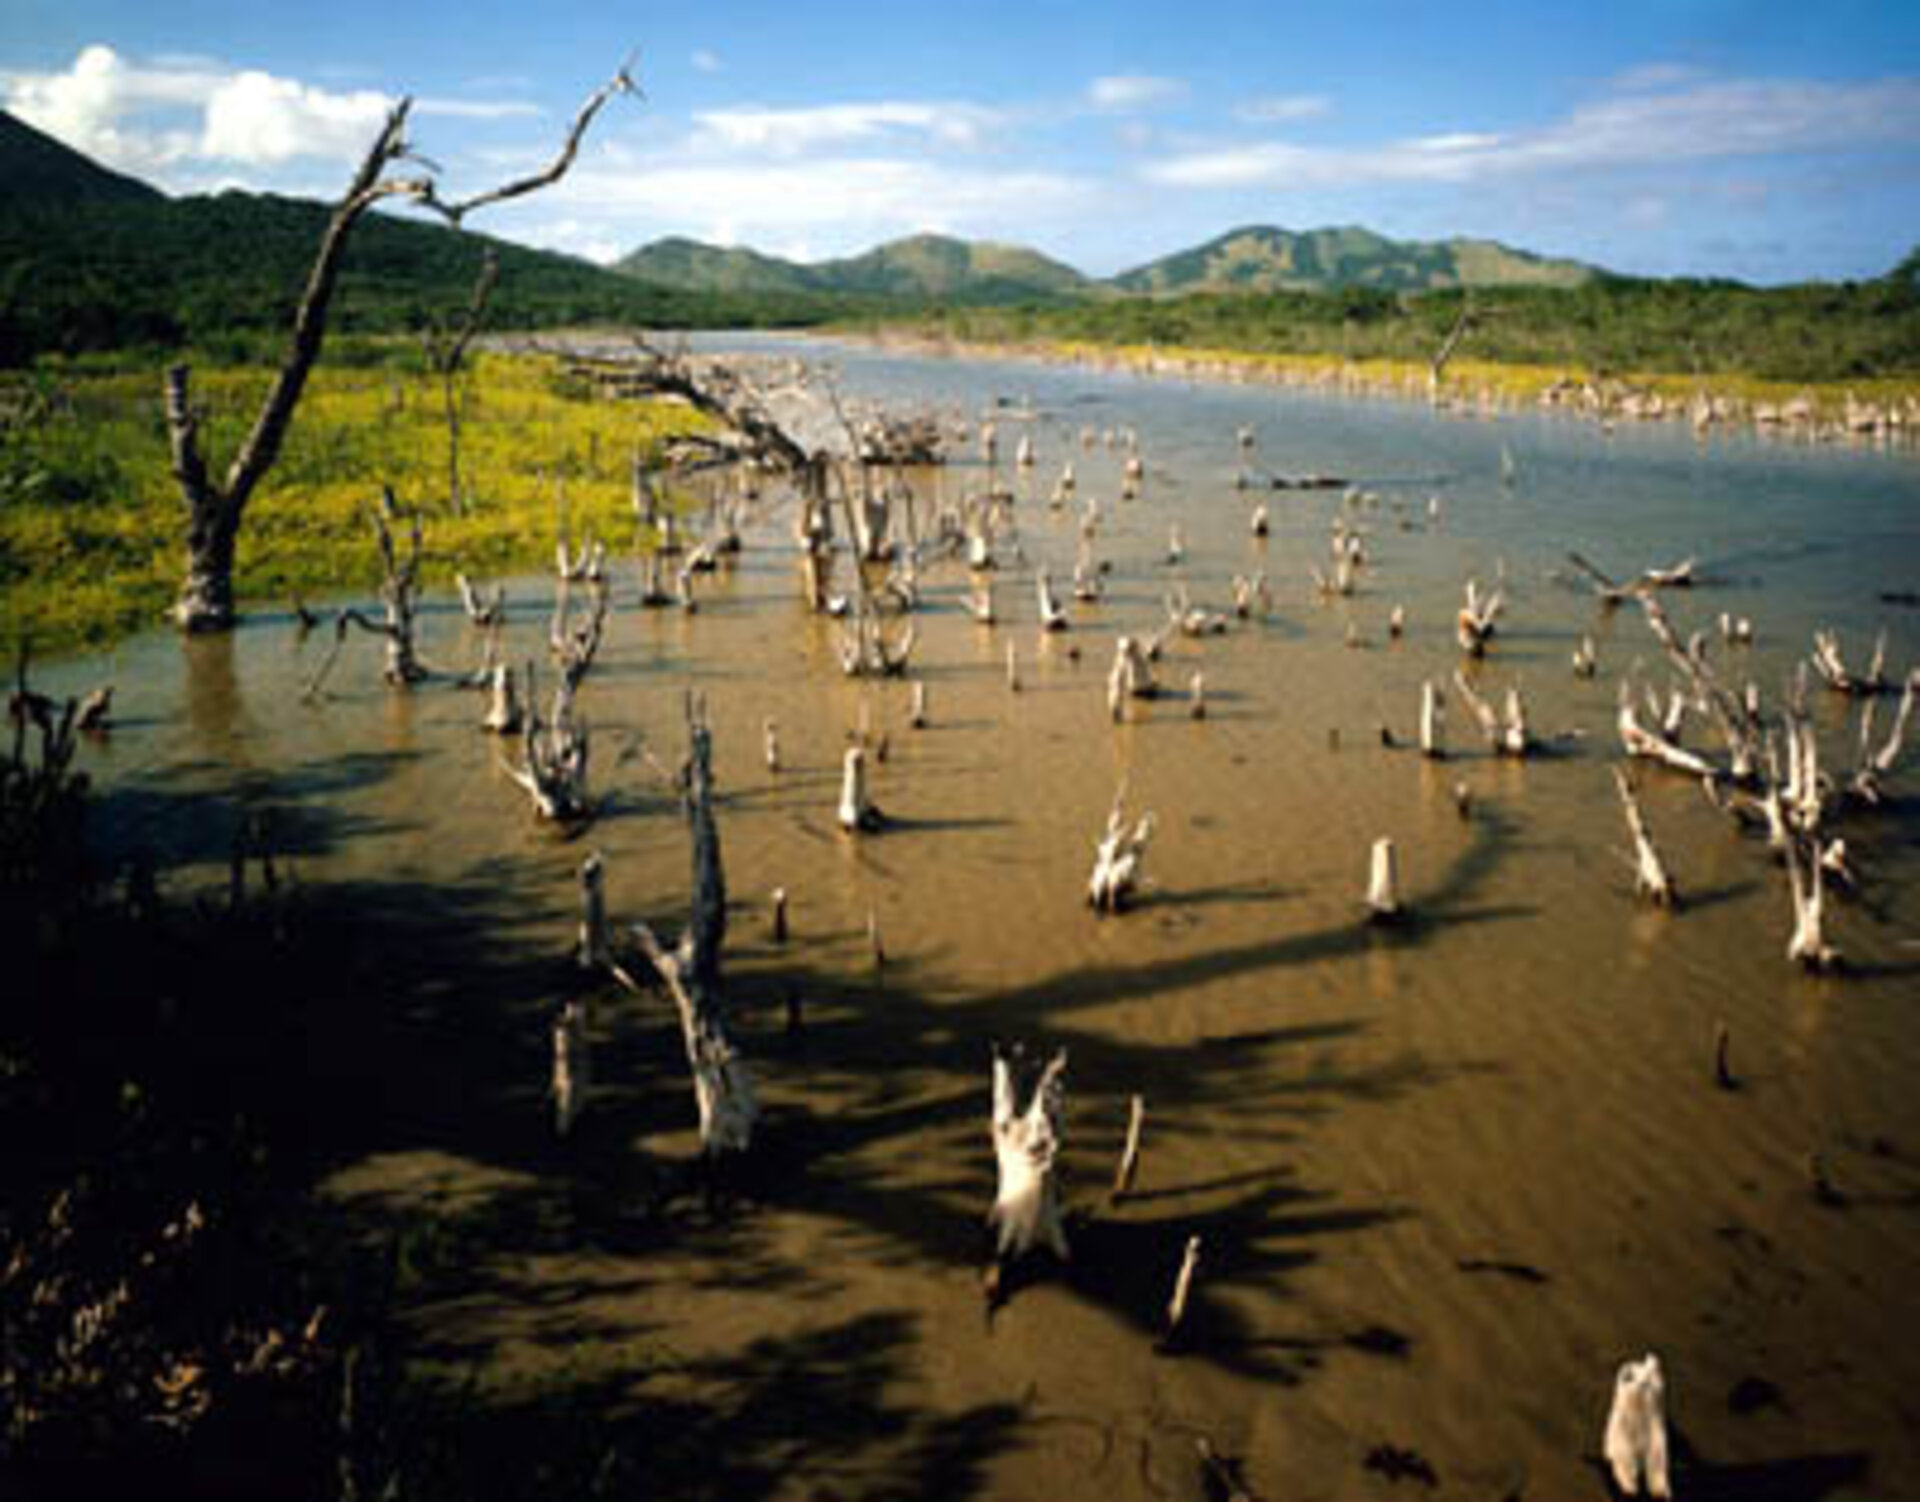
{"type": "Point", "coordinates": [1636, 1436]}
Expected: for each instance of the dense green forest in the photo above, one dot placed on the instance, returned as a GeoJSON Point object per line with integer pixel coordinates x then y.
{"type": "Point", "coordinates": [224, 274]}
{"type": "Point", "coordinates": [1611, 325]}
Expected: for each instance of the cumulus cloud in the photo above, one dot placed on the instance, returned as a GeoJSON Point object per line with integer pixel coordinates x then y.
{"type": "Point", "coordinates": [188, 120]}
{"type": "Point", "coordinates": [256, 117]}
{"type": "Point", "coordinates": [796, 132]}
{"type": "Point", "coordinates": [837, 202]}
{"type": "Point", "coordinates": [1134, 91]}
{"type": "Point", "coordinates": [1686, 119]}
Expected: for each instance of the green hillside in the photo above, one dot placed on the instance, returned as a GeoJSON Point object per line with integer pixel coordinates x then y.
{"type": "Point", "coordinates": [90, 260]}
{"type": "Point", "coordinates": [1261, 258]}
{"type": "Point", "coordinates": [918, 269]}
{"type": "Point", "coordinates": [34, 167]}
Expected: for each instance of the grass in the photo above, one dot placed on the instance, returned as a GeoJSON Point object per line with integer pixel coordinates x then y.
{"type": "Point", "coordinates": [92, 527]}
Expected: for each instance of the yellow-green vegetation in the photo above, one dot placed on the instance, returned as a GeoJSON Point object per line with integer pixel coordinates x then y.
{"type": "Point", "coordinates": [1498, 381]}
{"type": "Point", "coordinates": [92, 527]}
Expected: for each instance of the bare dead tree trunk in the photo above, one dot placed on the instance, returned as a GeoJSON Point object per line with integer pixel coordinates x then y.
{"type": "Point", "coordinates": [723, 1089]}
{"type": "Point", "coordinates": [215, 508]}
{"type": "Point", "coordinates": [446, 354]}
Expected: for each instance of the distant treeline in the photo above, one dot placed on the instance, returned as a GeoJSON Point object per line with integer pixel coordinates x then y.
{"type": "Point", "coordinates": [224, 274]}
{"type": "Point", "coordinates": [1613, 325]}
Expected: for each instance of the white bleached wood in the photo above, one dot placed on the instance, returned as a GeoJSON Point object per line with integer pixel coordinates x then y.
{"type": "Point", "coordinates": [1636, 1435]}
{"type": "Point", "coordinates": [1027, 1209]}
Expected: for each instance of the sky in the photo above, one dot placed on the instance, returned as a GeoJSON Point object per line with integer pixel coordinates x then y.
{"type": "Point", "coordinates": [1769, 142]}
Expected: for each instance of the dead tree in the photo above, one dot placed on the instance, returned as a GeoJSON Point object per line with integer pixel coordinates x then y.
{"type": "Point", "coordinates": [554, 753]}
{"type": "Point", "coordinates": [690, 971]}
{"type": "Point", "coordinates": [1118, 858]}
{"type": "Point", "coordinates": [399, 591]}
{"type": "Point", "coordinates": [1876, 765]}
{"type": "Point", "coordinates": [1808, 945]}
{"type": "Point", "coordinates": [1383, 883]}
{"type": "Point", "coordinates": [215, 507]}
{"type": "Point", "coordinates": [1650, 877]}
{"type": "Point", "coordinates": [1027, 1207]}
{"type": "Point", "coordinates": [1833, 670]}
{"type": "Point", "coordinates": [1636, 1437]}
{"type": "Point", "coordinates": [1462, 326]}
{"type": "Point", "coordinates": [1131, 676]}
{"type": "Point", "coordinates": [446, 351]}
{"type": "Point", "coordinates": [1475, 622]}
{"type": "Point", "coordinates": [1505, 736]}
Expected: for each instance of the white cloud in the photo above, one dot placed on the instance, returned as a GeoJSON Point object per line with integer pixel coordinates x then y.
{"type": "Point", "coordinates": [1650, 126]}
{"type": "Point", "coordinates": [1282, 109]}
{"type": "Point", "coordinates": [187, 120]}
{"type": "Point", "coordinates": [1134, 91]}
{"type": "Point", "coordinates": [704, 61]}
{"type": "Point", "coordinates": [836, 203]}
{"type": "Point", "coordinates": [256, 117]}
{"type": "Point", "coordinates": [475, 109]}
{"type": "Point", "coordinates": [795, 132]}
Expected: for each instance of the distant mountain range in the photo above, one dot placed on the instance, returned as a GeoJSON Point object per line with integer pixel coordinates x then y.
{"type": "Point", "coordinates": [1263, 259]}
{"type": "Point", "coordinates": [918, 268]}
{"type": "Point", "coordinates": [1255, 259]}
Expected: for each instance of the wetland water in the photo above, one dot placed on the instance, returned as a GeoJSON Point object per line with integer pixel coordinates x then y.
{"type": "Point", "coordinates": [1448, 1176]}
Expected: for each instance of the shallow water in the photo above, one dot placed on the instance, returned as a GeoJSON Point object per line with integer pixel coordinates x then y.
{"type": "Point", "coordinates": [1448, 1175]}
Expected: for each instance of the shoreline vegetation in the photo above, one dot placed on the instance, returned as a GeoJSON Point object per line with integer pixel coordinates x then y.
{"type": "Point", "coordinates": [92, 529]}
{"type": "Point", "coordinates": [1883, 409]}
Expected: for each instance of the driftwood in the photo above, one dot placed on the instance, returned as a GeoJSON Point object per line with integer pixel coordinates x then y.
{"type": "Point", "coordinates": [1190, 619]}
{"type": "Point", "coordinates": [1383, 883]}
{"type": "Point", "coordinates": [1433, 722]}
{"type": "Point", "coordinates": [503, 715]}
{"type": "Point", "coordinates": [1651, 745]}
{"type": "Point", "coordinates": [1118, 858]}
{"type": "Point", "coordinates": [1506, 736]}
{"type": "Point", "coordinates": [1833, 671]}
{"type": "Point", "coordinates": [1182, 1290]}
{"type": "Point", "coordinates": [215, 508]}
{"type": "Point", "coordinates": [1650, 877]}
{"type": "Point", "coordinates": [1635, 1443]}
{"type": "Point", "coordinates": [1474, 624]}
{"type": "Point", "coordinates": [1027, 1209]}
{"type": "Point", "coordinates": [857, 813]}
{"type": "Point", "coordinates": [1585, 661]}
{"type": "Point", "coordinates": [1876, 765]}
{"type": "Point", "coordinates": [1131, 676]}
{"type": "Point", "coordinates": [1808, 945]}
{"type": "Point", "coordinates": [1053, 616]}
{"type": "Point", "coordinates": [572, 1069]}
{"type": "Point", "coordinates": [1129, 1167]}
{"type": "Point", "coordinates": [1251, 595]}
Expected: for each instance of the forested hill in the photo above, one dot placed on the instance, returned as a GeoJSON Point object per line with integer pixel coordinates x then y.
{"type": "Point", "coordinates": [91, 260]}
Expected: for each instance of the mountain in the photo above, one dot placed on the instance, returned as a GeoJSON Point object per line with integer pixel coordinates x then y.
{"type": "Point", "coordinates": [920, 268]}
{"type": "Point", "coordinates": [1260, 258]}
{"type": "Point", "coordinates": [92, 260]}
{"type": "Point", "coordinates": [35, 167]}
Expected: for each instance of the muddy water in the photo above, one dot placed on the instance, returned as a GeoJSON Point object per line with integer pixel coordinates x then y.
{"type": "Point", "coordinates": [1447, 1176]}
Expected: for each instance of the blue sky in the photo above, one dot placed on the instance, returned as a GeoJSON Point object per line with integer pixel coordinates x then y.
{"type": "Point", "coordinates": [1771, 142]}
